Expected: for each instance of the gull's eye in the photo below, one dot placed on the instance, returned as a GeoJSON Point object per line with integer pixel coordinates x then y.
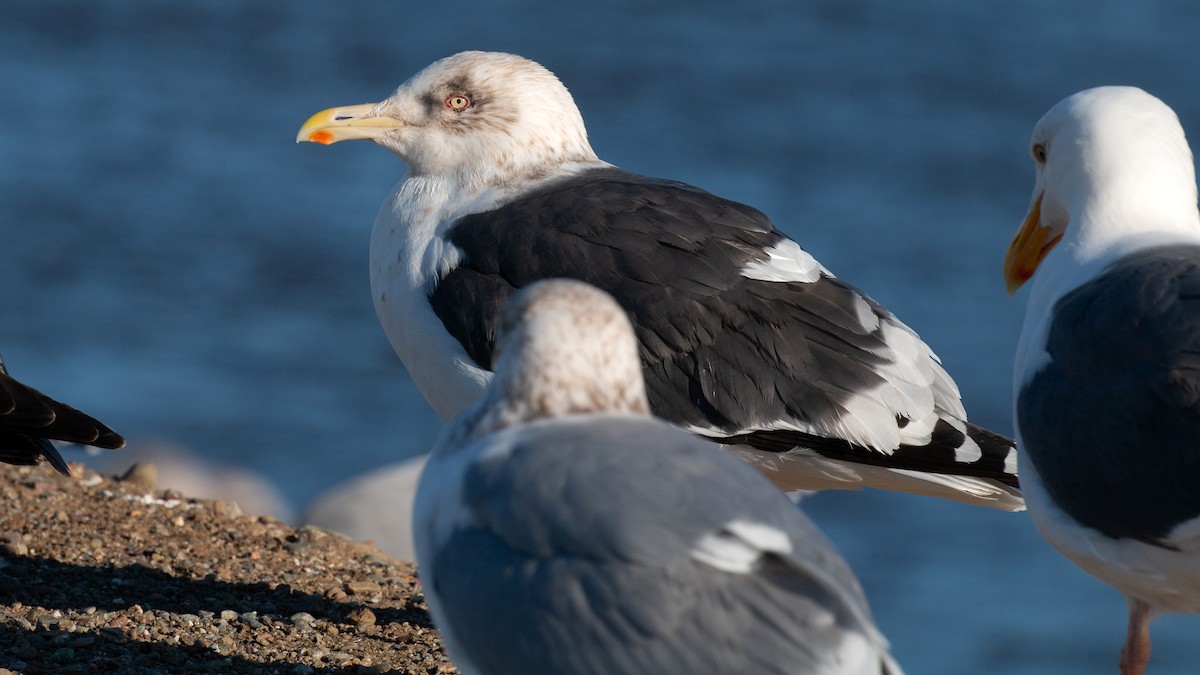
{"type": "Point", "coordinates": [1039, 153]}
{"type": "Point", "coordinates": [457, 102]}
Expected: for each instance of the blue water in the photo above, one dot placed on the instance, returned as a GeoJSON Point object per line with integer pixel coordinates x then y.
{"type": "Point", "coordinates": [177, 266]}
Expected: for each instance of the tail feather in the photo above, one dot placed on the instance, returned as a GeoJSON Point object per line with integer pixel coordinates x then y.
{"type": "Point", "coordinates": [942, 455]}
{"type": "Point", "coordinates": [29, 419]}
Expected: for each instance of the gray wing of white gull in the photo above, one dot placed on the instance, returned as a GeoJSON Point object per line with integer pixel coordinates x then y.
{"type": "Point", "coordinates": [642, 549]}
{"type": "Point", "coordinates": [1112, 422]}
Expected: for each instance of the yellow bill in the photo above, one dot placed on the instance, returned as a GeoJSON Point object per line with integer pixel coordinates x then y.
{"type": "Point", "coordinates": [1029, 247]}
{"type": "Point", "coordinates": [346, 123]}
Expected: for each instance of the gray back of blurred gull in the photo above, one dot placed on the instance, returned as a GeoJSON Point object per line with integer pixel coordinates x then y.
{"type": "Point", "coordinates": [561, 529]}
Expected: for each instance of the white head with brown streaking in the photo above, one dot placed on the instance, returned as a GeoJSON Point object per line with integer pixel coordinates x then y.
{"type": "Point", "coordinates": [564, 347]}
{"type": "Point", "coordinates": [487, 118]}
{"type": "Point", "coordinates": [475, 129]}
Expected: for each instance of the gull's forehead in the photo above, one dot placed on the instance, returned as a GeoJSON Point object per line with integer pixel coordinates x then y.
{"type": "Point", "coordinates": [468, 70]}
{"type": "Point", "coordinates": [519, 126]}
{"type": "Point", "coordinates": [1105, 112]}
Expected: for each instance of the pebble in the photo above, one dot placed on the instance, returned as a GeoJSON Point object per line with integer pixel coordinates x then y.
{"type": "Point", "coordinates": [302, 620]}
{"type": "Point", "coordinates": [362, 587]}
{"type": "Point", "coordinates": [361, 617]}
{"type": "Point", "coordinates": [11, 544]}
{"type": "Point", "coordinates": [251, 619]}
{"type": "Point", "coordinates": [141, 476]}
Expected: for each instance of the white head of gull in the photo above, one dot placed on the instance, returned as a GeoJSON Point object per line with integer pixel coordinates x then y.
{"type": "Point", "coordinates": [560, 528]}
{"type": "Point", "coordinates": [1106, 379]}
{"type": "Point", "coordinates": [744, 337]}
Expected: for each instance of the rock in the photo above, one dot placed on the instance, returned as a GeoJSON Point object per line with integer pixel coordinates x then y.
{"type": "Point", "coordinates": [141, 476]}
{"type": "Point", "coordinates": [12, 544]}
{"type": "Point", "coordinates": [362, 587]}
{"type": "Point", "coordinates": [361, 617]}
{"type": "Point", "coordinates": [302, 621]}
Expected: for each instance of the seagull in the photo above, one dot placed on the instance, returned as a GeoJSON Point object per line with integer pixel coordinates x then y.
{"type": "Point", "coordinates": [1107, 371]}
{"type": "Point", "coordinates": [744, 337]}
{"type": "Point", "coordinates": [29, 419]}
{"type": "Point", "coordinates": [562, 529]}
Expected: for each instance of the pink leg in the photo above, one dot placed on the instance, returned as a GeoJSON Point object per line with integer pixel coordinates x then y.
{"type": "Point", "coordinates": [1136, 652]}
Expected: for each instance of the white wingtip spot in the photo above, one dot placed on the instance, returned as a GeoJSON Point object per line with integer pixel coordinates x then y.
{"type": "Point", "coordinates": [786, 261]}
{"type": "Point", "coordinates": [1010, 461]}
{"type": "Point", "coordinates": [738, 545]}
{"type": "Point", "coordinates": [968, 452]}
{"type": "Point", "coordinates": [866, 316]}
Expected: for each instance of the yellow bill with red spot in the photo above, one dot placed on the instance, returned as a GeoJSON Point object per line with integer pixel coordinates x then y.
{"type": "Point", "coordinates": [346, 123]}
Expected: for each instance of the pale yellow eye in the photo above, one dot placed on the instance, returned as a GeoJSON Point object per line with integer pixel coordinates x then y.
{"type": "Point", "coordinates": [458, 102]}
{"type": "Point", "coordinates": [1039, 153]}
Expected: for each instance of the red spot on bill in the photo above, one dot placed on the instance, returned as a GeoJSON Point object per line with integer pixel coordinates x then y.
{"type": "Point", "coordinates": [322, 137]}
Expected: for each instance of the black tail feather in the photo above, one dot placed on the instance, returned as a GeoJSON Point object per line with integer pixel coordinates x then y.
{"type": "Point", "coordinates": [937, 456]}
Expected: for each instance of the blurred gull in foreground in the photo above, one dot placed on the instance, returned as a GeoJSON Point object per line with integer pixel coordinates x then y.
{"type": "Point", "coordinates": [745, 338]}
{"type": "Point", "coordinates": [1107, 374]}
{"type": "Point", "coordinates": [562, 529]}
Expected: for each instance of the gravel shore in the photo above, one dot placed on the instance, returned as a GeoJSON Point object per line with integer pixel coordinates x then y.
{"type": "Point", "coordinates": [101, 575]}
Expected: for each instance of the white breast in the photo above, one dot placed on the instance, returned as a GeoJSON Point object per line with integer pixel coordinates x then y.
{"type": "Point", "coordinates": [407, 256]}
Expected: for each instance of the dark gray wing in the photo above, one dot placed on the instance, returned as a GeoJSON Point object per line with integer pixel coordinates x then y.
{"type": "Point", "coordinates": [583, 560]}
{"type": "Point", "coordinates": [720, 351]}
{"type": "Point", "coordinates": [28, 418]}
{"type": "Point", "coordinates": [1112, 423]}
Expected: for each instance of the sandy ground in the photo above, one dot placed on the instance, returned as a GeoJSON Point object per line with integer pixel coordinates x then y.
{"type": "Point", "coordinates": [100, 575]}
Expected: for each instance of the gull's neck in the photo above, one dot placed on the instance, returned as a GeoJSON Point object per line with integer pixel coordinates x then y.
{"type": "Point", "coordinates": [422, 207]}
{"type": "Point", "coordinates": [513, 399]}
{"type": "Point", "coordinates": [1110, 225]}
